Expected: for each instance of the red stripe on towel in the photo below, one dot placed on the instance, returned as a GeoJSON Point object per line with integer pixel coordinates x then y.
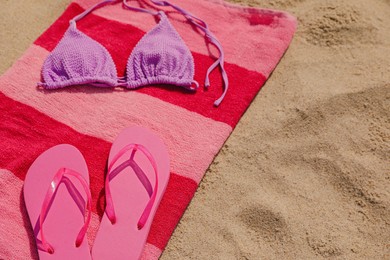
{"type": "Point", "coordinates": [26, 133]}
{"type": "Point", "coordinates": [120, 39]}
{"type": "Point", "coordinates": [177, 196]}
{"type": "Point", "coordinates": [243, 87]}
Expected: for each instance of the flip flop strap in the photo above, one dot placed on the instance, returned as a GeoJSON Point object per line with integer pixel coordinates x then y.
{"type": "Point", "coordinates": [110, 211]}
{"type": "Point", "coordinates": [51, 192]}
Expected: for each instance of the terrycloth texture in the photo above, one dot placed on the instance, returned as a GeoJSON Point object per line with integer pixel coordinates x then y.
{"type": "Point", "coordinates": [32, 120]}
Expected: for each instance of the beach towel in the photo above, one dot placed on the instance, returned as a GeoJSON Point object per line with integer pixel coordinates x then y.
{"type": "Point", "coordinates": [33, 119]}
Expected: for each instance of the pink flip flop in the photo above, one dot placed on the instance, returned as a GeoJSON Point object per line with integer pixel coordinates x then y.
{"type": "Point", "coordinates": [138, 173]}
{"type": "Point", "coordinates": [56, 194]}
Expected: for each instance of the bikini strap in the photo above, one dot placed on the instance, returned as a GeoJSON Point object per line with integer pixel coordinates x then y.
{"type": "Point", "coordinates": [202, 25]}
{"type": "Point", "coordinates": [105, 2]}
{"type": "Point", "coordinates": [96, 6]}
{"type": "Point", "coordinates": [138, 9]}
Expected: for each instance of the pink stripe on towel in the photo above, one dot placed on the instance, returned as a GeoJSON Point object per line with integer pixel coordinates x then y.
{"type": "Point", "coordinates": [16, 239]}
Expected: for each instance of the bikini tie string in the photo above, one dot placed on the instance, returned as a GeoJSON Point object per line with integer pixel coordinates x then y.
{"type": "Point", "coordinates": [137, 9]}
{"type": "Point", "coordinates": [96, 6]}
{"type": "Point", "coordinates": [202, 25]}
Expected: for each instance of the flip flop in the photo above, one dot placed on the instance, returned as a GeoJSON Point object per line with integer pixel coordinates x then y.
{"type": "Point", "coordinates": [56, 194]}
{"type": "Point", "coordinates": [138, 173]}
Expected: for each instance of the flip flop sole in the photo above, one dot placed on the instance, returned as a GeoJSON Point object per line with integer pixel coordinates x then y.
{"type": "Point", "coordinates": [64, 218]}
{"type": "Point", "coordinates": [123, 240]}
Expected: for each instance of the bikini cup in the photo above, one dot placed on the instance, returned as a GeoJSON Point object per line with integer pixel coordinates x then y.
{"type": "Point", "coordinates": [160, 57]}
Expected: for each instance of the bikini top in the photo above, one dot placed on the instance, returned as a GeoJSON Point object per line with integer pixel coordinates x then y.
{"type": "Point", "coordinates": [160, 57]}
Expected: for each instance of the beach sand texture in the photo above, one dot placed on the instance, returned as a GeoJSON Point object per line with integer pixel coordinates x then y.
{"type": "Point", "coordinates": [306, 172]}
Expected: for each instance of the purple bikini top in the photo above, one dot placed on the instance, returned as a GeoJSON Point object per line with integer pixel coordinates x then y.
{"type": "Point", "coordinates": [160, 57]}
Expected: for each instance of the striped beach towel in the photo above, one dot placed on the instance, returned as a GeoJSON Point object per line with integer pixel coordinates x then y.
{"type": "Point", "coordinates": [33, 120]}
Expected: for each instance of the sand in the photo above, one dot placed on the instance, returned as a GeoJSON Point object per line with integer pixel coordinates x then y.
{"type": "Point", "coordinates": [306, 172]}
